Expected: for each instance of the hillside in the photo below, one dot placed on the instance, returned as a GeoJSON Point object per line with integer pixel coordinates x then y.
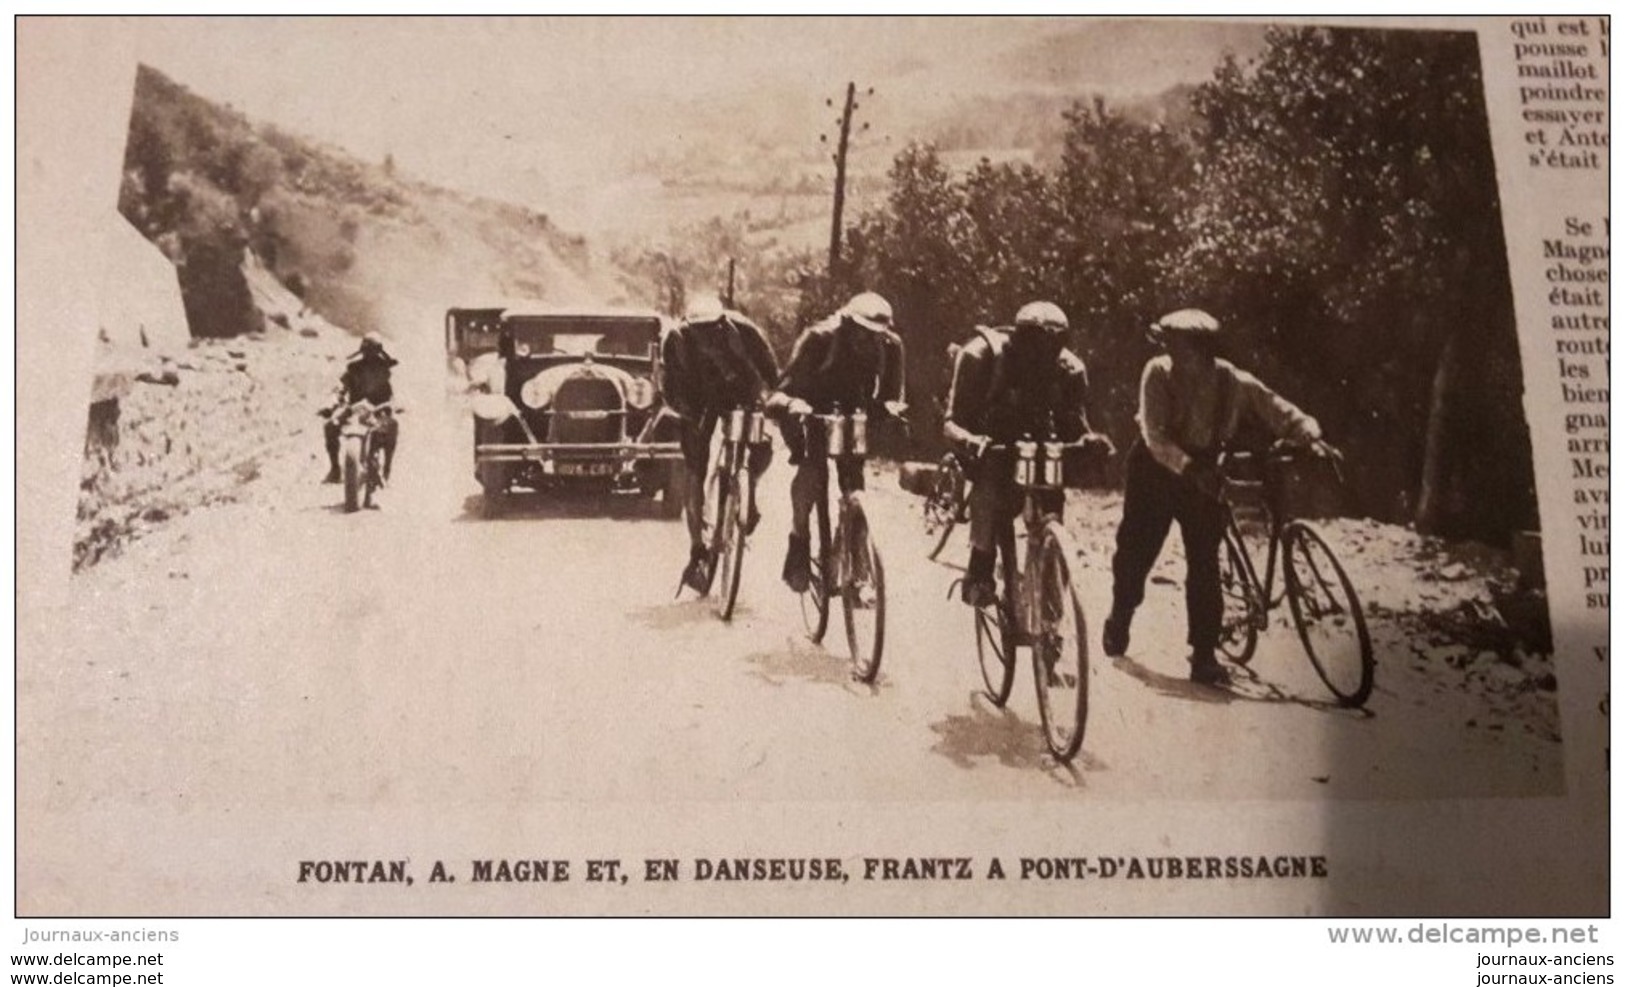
{"type": "Point", "coordinates": [354, 239]}
{"type": "Point", "coordinates": [284, 250]}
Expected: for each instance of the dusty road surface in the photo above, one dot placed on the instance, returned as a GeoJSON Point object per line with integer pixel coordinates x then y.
{"type": "Point", "coordinates": [271, 680]}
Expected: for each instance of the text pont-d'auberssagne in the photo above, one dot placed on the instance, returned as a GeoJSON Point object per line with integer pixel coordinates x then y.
{"type": "Point", "coordinates": [665, 870]}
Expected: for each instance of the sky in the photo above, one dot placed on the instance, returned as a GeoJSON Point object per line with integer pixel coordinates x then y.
{"type": "Point", "coordinates": [538, 110]}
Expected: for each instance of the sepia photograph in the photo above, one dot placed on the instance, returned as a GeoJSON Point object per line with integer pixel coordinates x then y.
{"type": "Point", "coordinates": [789, 465]}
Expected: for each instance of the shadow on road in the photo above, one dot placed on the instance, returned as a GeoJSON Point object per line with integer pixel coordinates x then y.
{"type": "Point", "coordinates": [967, 739]}
{"type": "Point", "coordinates": [531, 506]}
{"type": "Point", "coordinates": [809, 662]}
{"type": "Point", "coordinates": [686, 612]}
{"type": "Point", "coordinates": [1245, 686]}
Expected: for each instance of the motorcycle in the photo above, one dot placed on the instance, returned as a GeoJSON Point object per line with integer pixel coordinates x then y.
{"type": "Point", "coordinates": [366, 441]}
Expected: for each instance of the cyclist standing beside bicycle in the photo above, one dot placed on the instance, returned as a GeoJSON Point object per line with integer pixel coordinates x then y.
{"type": "Point", "coordinates": [853, 360]}
{"type": "Point", "coordinates": [715, 361]}
{"type": "Point", "coordinates": [1009, 384]}
{"type": "Point", "coordinates": [1191, 405]}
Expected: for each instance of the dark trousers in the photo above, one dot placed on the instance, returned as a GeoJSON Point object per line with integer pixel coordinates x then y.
{"type": "Point", "coordinates": [1153, 499]}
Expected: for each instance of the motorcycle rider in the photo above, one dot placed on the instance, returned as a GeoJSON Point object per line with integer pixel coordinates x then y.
{"type": "Point", "coordinates": [366, 377]}
{"type": "Point", "coordinates": [715, 361]}
{"type": "Point", "coordinates": [1011, 383]}
{"type": "Point", "coordinates": [852, 359]}
{"type": "Point", "coordinates": [1191, 405]}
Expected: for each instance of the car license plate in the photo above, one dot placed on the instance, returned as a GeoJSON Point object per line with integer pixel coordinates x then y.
{"type": "Point", "coordinates": [586, 469]}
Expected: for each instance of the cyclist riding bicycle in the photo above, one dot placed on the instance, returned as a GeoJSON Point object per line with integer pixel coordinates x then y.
{"type": "Point", "coordinates": [1009, 384]}
{"type": "Point", "coordinates": [366, 377]}
{"type": "Point", "coordinates": [853, 360]}
{"type": "Point", "coordinates": [715, 361]}
{"type": "Point", "coordinates": [1192, 404]}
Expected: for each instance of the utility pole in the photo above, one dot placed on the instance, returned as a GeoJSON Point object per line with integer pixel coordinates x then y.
{"type": "Point", "coordinates": [842, 140]}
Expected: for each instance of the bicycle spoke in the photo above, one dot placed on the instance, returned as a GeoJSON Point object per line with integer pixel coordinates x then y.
{"type": "Point", "coordinates": [1060, 648]}
{"type": "Point", "coordinates": [1327, 612]}
{"type": "Point", "coordinates": [1243, 609]}
{"type": "Point", "coordinates": [863, 595]}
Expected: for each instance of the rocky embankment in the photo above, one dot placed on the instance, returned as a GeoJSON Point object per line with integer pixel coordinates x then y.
{"type": "Point", "coordinates": [176, 433]}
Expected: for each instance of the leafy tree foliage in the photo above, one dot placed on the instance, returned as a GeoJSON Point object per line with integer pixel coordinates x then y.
{"type": "Point", "coordinates": [1333, 202]}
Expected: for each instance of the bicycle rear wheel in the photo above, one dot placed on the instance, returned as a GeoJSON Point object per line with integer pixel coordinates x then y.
{"type": "Point", "coordinates": [1238, 634]}
{"type": "Point", "coordinates": [815, 598]}
{"type": "Point", "coordinates": [1060, 645]}
{"type": "Point", "coordinates": [943, 504]}
{"type": "Point", "coordinates": [862, 581]}
{"type": "Point", "coordinates": [996, 628]}
{"type": "Point", "coordinates": [996, 650]}
{"type": "Point", "coordinates": [1331, 624]}
{"type": "Point", "coordinates": [730, 558]}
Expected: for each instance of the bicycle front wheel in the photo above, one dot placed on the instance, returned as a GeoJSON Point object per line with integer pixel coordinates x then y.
{"type": "Point", "coordinates": [1331, 624]}
{"type": "Point", "coordinates": [351, 469]}
{"type": "Point", "coordinates": [1238, 634]}
{"type": "Point", "coordinates": [731, 546]}
{"type": "Point", "coordinates": [862, 582]}
{"type": "Point", "coordinates": [1060, 645]}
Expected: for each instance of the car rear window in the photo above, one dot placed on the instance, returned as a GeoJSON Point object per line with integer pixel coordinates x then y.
{"type": "Point", "coordinates": [582, 335]}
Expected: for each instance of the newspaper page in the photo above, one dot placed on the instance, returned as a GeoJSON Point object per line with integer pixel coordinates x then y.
{"type": "Point", "coordinates": [281, 653]}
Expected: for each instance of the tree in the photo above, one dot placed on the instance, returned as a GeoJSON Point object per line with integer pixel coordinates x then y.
{"type": "Point", "coordinates": [1346, 221]}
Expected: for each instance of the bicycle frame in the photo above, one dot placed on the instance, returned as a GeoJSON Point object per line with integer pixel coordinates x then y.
{"type": "Point", "coordinates": [1277, 520]}
{"type": "Point", "coordinates": [742, 428]}
{"type": "Point", "coordinates": [1035, 515]}
{"type": "Point", "coordinates": [848, 463]}
{"type": "Point", "coordinates": [1027, 614]}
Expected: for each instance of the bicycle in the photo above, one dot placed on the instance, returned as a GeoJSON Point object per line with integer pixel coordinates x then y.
{"type": "Point", "coordinates": [1036, 604]}
{"type": "Point", "coordinates": [734, 504]}
{"type": "Point", "coordinates": [947, 503]}
{"type": "Point", "coordinates": [847, 565]}
{"type": "Point", "coordinates": [364, 428]}
{"type": "Point", "coordinates": [1325, 608]}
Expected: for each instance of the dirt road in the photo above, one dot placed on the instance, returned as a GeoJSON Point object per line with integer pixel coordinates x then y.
{"type": "Point", "coordinates": [273, 678]}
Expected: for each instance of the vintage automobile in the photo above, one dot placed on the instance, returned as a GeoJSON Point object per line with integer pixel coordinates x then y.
{"type": "Point", "coordinates": [567, 399]}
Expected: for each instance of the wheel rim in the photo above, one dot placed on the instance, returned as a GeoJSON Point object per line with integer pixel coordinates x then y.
{"type": "Point", "coordinates": [863, 600]}
{"type": "Point", "coordinates": [732, 558]}
{"type": "Point", "coordinates": [352, 475]}
{"type": "Point", "coordinates": [942, 506]}
{"type": "Point", "coordinates": [995, 651]}
{"type": "Point", "coordinates": [1327, 612]}
{"type": "Point", "coordinates": [815, 601]}
{"type": "Point", "coordinates": [1238, 634]}
{"type": "Point", "coordinates": [1060, 653]}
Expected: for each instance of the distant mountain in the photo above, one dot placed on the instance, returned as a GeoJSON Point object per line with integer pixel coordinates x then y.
{"type": "Point", "coordinates": [1125, 57]}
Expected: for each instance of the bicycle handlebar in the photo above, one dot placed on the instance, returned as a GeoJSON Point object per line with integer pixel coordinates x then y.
{"type": "Point", "coordinates": [1283, 451]}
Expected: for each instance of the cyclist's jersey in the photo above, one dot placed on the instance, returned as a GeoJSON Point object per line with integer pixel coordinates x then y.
{"type": "Point", "coordinates": [989, 398]}
{"type": "Point", "coordinates": [714, 366]}
{"type": "Point", "coordinates": [366, 378]}
{"type": "Point", "coordinates": [1197, 418]}
{"type": "Point", "coordinates": [856, 368]}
